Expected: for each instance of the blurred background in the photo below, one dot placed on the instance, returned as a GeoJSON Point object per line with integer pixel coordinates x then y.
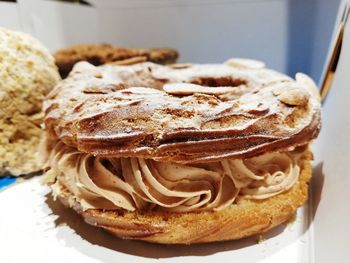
{"type": "Point", "coordinates": [289, 35]}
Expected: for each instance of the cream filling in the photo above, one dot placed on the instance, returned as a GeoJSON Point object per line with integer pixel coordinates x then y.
{"type": "Point", "coordinates": [138, 184]}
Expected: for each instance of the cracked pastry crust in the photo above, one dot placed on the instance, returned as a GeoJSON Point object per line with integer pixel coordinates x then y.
{"type": "Point", "coordinates": [141, 111]}
{"type": "Point", "coordinates": [104, 53]}
{"type": "Point", "coordinates": [246, 218]}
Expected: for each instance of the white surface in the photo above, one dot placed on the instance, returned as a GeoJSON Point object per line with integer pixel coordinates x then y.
{"type": "Point", "coordinates": [332, 220]}
{"type": "Point", "coordinates": [58, 24]}
{"type": "Point", "coordinates": [33, 229]}
{"type": "Point", "coordinates": [9, 17]}
{"type": "Point", "coordinates": [202, 30]}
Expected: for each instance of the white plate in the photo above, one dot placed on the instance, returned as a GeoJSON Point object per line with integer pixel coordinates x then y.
{"type": "Point", "coordinates": [34, 228]}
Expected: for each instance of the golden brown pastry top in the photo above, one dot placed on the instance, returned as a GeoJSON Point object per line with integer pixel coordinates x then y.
{"type": "Point", "coordinates": [183, 113]}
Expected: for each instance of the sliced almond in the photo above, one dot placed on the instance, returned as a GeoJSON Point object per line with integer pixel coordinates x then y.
{"type": "Point", "coordinates": [188, 89]}
{"type": "Point", "coordinates": [294, 96]}
{"type": "Point", "coordinates": [181, 65]}
{"type": "Point", "coordinates": [245, 63]}
{"type": "Point", "coordinates": [84, 66]}
{"type": "Point", "coordinates": [129, 61]}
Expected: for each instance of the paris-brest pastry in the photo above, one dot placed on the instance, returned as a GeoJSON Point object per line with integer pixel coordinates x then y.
{"type": "Point", "coordinates": [188, 153]}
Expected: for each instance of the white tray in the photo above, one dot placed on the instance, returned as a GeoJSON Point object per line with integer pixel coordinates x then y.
{"type": "Point", "coordinates": [35, 228]}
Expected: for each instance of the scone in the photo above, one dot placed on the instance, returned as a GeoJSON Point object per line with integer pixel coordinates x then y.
{"type": "Point", "coordinates": [27, 74]}
{"type": "Point", "coordinates": [104, 53]}
{"type": "Point", "coordinates": [182, 154]}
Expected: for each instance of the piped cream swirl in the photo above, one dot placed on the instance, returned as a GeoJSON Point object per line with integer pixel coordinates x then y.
{"type": "Point", "coordinates": [143, 184]}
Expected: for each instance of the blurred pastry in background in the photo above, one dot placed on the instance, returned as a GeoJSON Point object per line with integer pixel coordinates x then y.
{"type": "Point", "coordinates": [98, 54]}
{"type": "Point", "coordinates": [28, 73]}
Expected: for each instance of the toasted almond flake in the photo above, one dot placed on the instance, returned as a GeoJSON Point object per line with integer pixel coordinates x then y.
{"type": "Point", "coordinates": [181, 65]}
{"type": "Point", "coordinates": [188, 89]}
{"type": "Point", "coordinates": [129, 61]}
{"type": "Point", "coordinates": [294, 96]}
{"type": "Point", "coordinates": [245, 63]}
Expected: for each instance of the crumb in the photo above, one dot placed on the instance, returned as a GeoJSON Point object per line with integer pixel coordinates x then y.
{"type": "Point", "coordinates": [291, 221]}
{"type": "Point", "coordinates": [260, 239]}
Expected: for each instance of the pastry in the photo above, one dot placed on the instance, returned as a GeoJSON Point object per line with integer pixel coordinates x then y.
{"type": "Point", "coordinates": [104, 53]}
{"type": "Point", "coordinates": [184, 153]}
{"type": "Point", "coordinates": [28, 73]}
